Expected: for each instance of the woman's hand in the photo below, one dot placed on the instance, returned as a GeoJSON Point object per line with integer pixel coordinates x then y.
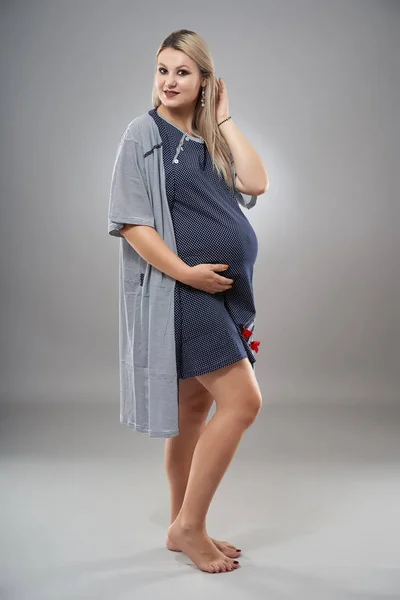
{"type": "Point", "coordinates": [222, 104]}
{"type": "Point", "coordinates": [203, 277]}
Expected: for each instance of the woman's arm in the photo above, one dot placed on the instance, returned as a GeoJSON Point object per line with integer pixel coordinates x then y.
{"type": "Point", "coordinates": [151, 247]}
{"type": "Point", "coordinates": [252, 177]}
{"type": "Point", "coordinates": [248, 191]}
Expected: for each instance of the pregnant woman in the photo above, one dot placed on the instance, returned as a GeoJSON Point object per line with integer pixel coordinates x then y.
{"type": "Point", "coordinates": [205, 164]}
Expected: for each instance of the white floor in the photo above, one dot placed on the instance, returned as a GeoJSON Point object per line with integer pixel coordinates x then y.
{"type": "Point", "coordinates": [311, 498]}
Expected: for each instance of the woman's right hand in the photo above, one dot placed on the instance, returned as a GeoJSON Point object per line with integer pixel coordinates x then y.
{"type": "Point", "coordinates": [203, 277]}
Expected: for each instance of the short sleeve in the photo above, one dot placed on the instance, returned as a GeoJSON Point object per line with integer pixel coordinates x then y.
{"type": "Point", "coordinates": [129, 200]}
{"type": "Point", "coordinates": [247, 202]}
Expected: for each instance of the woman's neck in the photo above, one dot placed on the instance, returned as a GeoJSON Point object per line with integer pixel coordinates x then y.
{"type": "Point", "coordinates": [182, 121]}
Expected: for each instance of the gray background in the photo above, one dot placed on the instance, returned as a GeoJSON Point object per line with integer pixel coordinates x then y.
{"type": "Point", "coordinates": [314, 85]}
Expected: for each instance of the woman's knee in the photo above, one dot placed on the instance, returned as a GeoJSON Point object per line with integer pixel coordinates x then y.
{"type": "Point", "coordinates": [235, 390]}
{"type": "Point", "coordinates": [247, 408]}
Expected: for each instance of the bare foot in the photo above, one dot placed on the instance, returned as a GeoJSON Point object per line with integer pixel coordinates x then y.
{"type": "Point", "coordinates": [225, 547]}
{"type": "Point", "coordinates": [199, 547]}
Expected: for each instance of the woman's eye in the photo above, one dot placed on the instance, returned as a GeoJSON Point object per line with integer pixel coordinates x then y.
{"type": "Point", "coordinates": [181, 71]}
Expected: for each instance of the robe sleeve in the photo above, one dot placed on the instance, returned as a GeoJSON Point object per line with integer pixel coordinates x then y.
{"type": "Point", "coordinates": [129, 200]}
{"type": "Point", "coordinates": [247, 202]}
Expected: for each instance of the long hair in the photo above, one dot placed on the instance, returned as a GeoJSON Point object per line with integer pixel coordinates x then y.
{"type": "Point", "coordinates": [204, 120]}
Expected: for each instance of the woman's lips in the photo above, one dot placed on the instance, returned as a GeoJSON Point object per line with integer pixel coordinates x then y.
{"type": "Point", "coordinates": [171, 94]}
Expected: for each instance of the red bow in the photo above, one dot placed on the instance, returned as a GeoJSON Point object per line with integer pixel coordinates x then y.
{"type": "Point", "coordinates": [247, 333]}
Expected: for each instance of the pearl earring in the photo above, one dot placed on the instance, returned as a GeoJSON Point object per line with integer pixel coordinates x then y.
{"type": "Point", "coordinates": [203, 95]}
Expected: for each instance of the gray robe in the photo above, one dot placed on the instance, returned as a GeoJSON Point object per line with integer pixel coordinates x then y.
{"type": "Point", "coordinates": [147, 359]}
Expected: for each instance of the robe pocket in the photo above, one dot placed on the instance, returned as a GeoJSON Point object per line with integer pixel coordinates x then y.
{"type": "Point", "coordinates": [133, 283]}
{"type": "Point", "coordinates": [133, 274]}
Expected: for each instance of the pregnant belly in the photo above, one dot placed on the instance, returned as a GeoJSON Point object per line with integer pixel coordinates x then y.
{"type": "Point", "coordinates": [234, 244]}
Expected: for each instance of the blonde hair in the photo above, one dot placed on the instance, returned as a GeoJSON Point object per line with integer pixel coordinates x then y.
{"type": "Point", "coordinates": [204, 121]}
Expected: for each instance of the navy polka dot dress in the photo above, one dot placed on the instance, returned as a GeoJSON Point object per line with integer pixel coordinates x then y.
{"type": "Point", "coordinates": [209, 227]}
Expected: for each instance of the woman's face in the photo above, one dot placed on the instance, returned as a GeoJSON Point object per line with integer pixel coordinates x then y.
{"type": "Point", "coordinates": [179, 73]}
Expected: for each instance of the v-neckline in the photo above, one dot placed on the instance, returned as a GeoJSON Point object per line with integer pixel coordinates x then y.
{"type": "Point", "coordinates": [192, 137]}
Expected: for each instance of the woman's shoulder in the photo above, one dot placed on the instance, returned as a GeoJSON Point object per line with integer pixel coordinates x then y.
{"type": "Point", "coordinates": [139, 128]}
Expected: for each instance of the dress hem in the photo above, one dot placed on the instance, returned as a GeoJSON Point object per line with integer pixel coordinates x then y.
{"type": "Point", "coordinates": [221, 366]}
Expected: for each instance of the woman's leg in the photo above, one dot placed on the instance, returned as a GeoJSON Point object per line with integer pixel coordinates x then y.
{"type": "Point", "coordinates": [194, 405]}
{"type": "Point", "coordinates": [238, 399]}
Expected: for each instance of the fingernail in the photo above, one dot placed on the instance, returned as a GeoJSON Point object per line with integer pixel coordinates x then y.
{"type": "Point", "coordinates": [238, 550]}
{"type": "Point", "coordinates": [236, 562]}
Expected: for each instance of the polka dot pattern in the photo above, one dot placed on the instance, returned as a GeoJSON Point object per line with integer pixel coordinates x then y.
{"type": "Point", "coordinates": [210, 227]}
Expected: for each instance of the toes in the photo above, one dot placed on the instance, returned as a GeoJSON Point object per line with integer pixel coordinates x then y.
{"type": "Point", "coordinates": [228, 545]}
{"type": "Point", "coordinates": [228, 565]}
{"type": "Point", "coordinates": [230, 553]}
{"type": "Point", "coordinates": [222, 567]}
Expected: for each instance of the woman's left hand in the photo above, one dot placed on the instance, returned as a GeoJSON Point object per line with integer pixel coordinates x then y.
{"type": "Point", "coordinates": [222, 105]}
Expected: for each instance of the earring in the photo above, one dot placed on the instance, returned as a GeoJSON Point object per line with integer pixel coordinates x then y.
{"type": "Point", "coordinates": [203, 95]}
